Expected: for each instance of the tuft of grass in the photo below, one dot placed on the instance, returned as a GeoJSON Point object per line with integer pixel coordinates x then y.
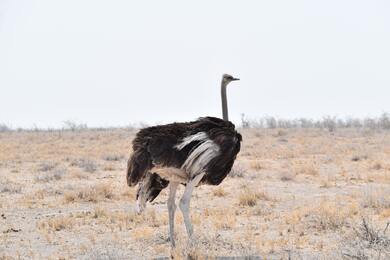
{"type": "Point", "coordinates": [113, 157]}
{"type": "Point", "coordinates": [10, 187]}
{"type": "Point", "coordinates": [357, 158]}
{"type": "Point", "coordinates": [142, 233]}
{"type": "Point", "coordinates": [287, 176]}
{"type": "Point", "coordinates": [280, 133]}
{"type": "Point", "coordinates": [56, 223]}
{"type": "Point", "coordinates": [50, 176]}
{"type": "Point", "coordinates": [106, 251]}
{"type": "Point", "coordinates": [306, 168]}
{"type": "Point", "coordinates": [99, 213]}
{"type": "Point", "coordinates": [193, 250]}
{"type": "Point", "coordinates": [224, 220]}
{"type": "Point", "coordinates": [219, 192]}
{"type": "Point", "coordinates": [332, 216]}
{"type": "Point", "coordinates": [375, 198]}
{"type": "Point", "coordinates": [256, 165]}
{"type": "Point", "coordinates": [85, 164]}
{"type": "Point", "coordinates": [46, 166]}
{"type": "Point", "coordinates": [109, 168]}
{"type": "Point", "coordinates": [249, 198]}
{"type": "Point", "coordinates": [91, 194]}
{"type": "Point", "coordinates": [377, 166]}
{"type": "Point", "coordinates": [238, 171]}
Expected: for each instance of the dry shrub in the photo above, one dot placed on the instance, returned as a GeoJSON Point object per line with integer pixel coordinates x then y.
{"type": "Point", "coordinates": [91, 194]}
{"type": "Point", "coordinates": [280, 133]}
{"type": "Point", "coordinates": [357, 158]}
{"type": "Point", "coordinates": [56, 223]}
{"type": "Point", "coordinates": [221, 218]}
{"type": "Point", "coordinates": [219, 192]}
{"type": "Point", "coordinates": [256, 165]}
{"type": "Point", "coordinates": [46, 166]}
{"type": "Point", "coordinates": [51, 176]}
{"type": "Point", "coordinates": [306, 168]}
{"type": "Point", "coordinates": [332, 216]}
{"type": "Point", "coordinates": [385, 214]}
{"type": "Point", "coordinates": [225, 221]}
{"type": "Point", "coordinates": [126, 220]}
{"type": "Point", "coordinates": [85, 164]}
{"type": "Point", "coordinates": [150, 217]}
{"type": "Point", "coordinates": [123, 220]}
{"type": "Point", "coordinates": [40, 194]}
{"type": "Point", "coordinates": [328, 181]}
{"type": "Point", "coordinates": [287, 176]}
{"type": "Point", "coordinates": [193, 250]}
{"type": "Point", "coordinates": [261, 209]}
{"type": "Point", "coordinates": [142, 233]}
{"type": "Point", "coordinates": [238, 171]}
{"type": "Point", "coordinates": [368, 242]}
{"type": "Point", "coordinates": [376, 198]}
{"type": "Point", "coordinates": [10, 187]}
{"type": "Point", "coordinates": [377, 166]}
{"type": "Point", "coordinates": [296, 216]}
{"type": "Point", "coordinates": [109, 168]}
{"type": "Point", "coordinates": [249, 197]}
{"type": "Point", "coordinates": [129, 193]}
{"type": "Point", "coordinates": [99, 213]}
{"type": "Point", "coordinates": [80, 175]}
{"type": "Point", "coordinates": [105, 251]}
{"type": "Point", "coordinates": [113, 157]}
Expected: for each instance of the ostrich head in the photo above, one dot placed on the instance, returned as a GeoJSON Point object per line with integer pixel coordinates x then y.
{"type": "Point", "coordinates": [226, 79]}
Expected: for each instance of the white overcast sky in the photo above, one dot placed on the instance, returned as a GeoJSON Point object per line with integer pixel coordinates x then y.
{"type": "Point", "coordinates": [110, 63]}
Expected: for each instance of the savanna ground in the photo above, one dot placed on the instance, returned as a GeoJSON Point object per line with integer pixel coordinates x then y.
{"type": "Point", "coordinates": [298, 193]}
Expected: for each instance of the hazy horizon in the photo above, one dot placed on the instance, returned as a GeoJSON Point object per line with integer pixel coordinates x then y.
{"type": "Point", "coordinates": [119, 62]}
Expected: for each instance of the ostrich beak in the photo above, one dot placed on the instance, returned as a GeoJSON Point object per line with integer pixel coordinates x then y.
{"type": "Point", "coordinates": [235, 79]}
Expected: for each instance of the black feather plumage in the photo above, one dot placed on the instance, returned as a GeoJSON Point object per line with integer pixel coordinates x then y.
{"type": "Point", "coordinates": [156, 145]}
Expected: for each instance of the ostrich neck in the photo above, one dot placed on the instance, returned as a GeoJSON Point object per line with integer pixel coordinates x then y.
{"type": "Point", "coordinates": [224, 101]}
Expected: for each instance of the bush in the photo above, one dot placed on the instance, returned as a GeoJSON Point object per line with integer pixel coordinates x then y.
{"type": "Point", "coordinates": [50, 176]}
{"type": "Point", "coordinates": [4, 128]}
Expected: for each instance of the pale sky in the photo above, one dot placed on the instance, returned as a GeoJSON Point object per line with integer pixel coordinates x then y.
{"type": "Point", "coordinates": [110, 63]}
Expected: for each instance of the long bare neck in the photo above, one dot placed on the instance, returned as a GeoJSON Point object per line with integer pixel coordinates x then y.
{"type": "Point", "coordinates": [224, 101]}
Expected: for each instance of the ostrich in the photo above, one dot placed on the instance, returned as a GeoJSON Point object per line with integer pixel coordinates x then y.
{"type": "Point", "coordinates": [190, 153]}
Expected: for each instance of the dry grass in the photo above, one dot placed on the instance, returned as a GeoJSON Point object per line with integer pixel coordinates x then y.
{"type": "Point", "coordinates": [367, 242]}
{"type": "Point", "coordinates": [85, 164]}
{"type": "Point", "coordinates": [331, 215]}
{"type": "Point", "coordinates": [56, 224]}
{"type": "Point", "coordinates": [225, 221]}
{"type": "Point", "coordinates": [256, 165]}
{"type": "Point", "coordinates": [143, 233]}
{"type": "Point", "coordinates": [53, 175]}
{"type": "Point", "coordinates": [91, 194]}
{"type": "Point", "coordinates": [306, 168]}
{"type": "Point", "coordinates": [375, 197]}
{"type": "Point", "coordinates": [292, 192]}
{"type": "Point", "coordinates": [238, 171]}
{"type": "Point", "coordinates": [219, 192]}
{"type": "Point", "coordinates": [10, 187]}
{"type": "Point", "coordinates": [287, 176]}
{"type": "Point", "coordinates": [248, 197]}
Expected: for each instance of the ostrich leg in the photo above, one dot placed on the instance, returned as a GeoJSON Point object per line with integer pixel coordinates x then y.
{"type": "Point", "coordinates": [185, 202]}
{"type": "Point", "coordinates": [171, 211]}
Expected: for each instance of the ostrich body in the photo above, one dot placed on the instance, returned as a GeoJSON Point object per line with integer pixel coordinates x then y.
{"type": "Point", "coordinates": [190, 153]}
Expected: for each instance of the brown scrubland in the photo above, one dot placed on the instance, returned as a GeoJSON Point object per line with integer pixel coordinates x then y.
{"type": "Point", "coordinates": [303, 193]}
